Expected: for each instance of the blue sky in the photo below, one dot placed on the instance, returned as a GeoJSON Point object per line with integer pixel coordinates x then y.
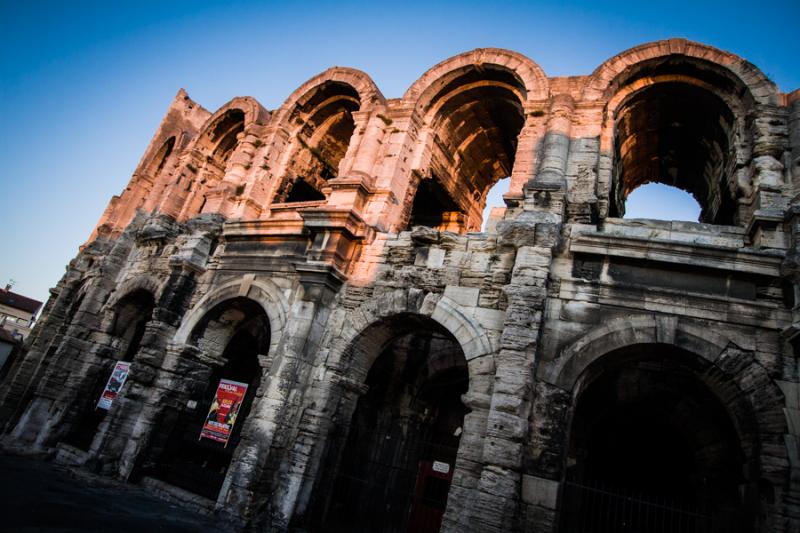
{"type": "Point", "coordinates": [83, 85]}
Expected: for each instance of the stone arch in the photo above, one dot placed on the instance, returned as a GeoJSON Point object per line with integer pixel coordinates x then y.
{"type": "Point", "coordinates": [434, 79]}
{"type": "Point", "coordinates": [741, 385]}
{"type": "Point", "coordinates": [572, 361]}
{"type": "Point", "coordinates": [253, 112]}
{"type": "Point", "coordinates": [161, 157]}
{"type": "Point", "coordinates": [319, 121]}
{"type": "Point", "coordinates": [167, 144]}
{"type": "Point", "coordinates": [472, 113]}
{"type": "Point", "coordinates": [143, 282]}
{"type": "Point", "coordinates": [722, 365]}
{"type": "Point", "coordinates": [221, 133]}
{"type": "Point", "coordinates": [602, 81]}
{"type": "Point", "coordinates": [262, 291]}
{"type": "Point", "coordinates": [676, 113]}
{"type": "Point", "coordinates": [229, 347]}
{"type": "Point", "coordinates": [441, 309]}
{"type": "Point", "coordinates": [380, 335]}
{"type": "Point", "coordinates": [125, 318]}
{"type": "Point", "coordinates": [368, 92]}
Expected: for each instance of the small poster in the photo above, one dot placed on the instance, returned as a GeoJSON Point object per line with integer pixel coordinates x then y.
{"type": "Point", "coordinates": [222, 413]}
{"type": "Point", "coordinates": [114, 385]}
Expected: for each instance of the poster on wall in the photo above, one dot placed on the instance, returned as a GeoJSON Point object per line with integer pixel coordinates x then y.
{"type": "Point", "coordinates": [223, 411]}
{"type": "Point", "coordinates": [114, 385]}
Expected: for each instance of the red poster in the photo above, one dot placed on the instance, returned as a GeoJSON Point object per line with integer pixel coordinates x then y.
{"type": "Point", "coordinates": [114, 385]}
{"type": "Point", "coordinates": [222, 414]}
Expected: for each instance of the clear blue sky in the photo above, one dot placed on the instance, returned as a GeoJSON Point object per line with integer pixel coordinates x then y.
{"type": "Point", "coordinates": [83, 85]}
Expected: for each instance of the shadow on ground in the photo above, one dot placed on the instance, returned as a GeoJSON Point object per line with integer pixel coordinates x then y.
{"type": "Point", "coordinates": [36, 496]}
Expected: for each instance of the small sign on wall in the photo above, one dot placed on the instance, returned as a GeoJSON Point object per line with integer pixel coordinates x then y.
{"type": "Point", "coordinates": [118, 377]}
{"type": "Point", "coordinates": [442, 468]}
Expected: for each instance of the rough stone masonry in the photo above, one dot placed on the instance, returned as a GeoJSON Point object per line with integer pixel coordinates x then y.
{"type": "Point", "coordinates": [567, 369]}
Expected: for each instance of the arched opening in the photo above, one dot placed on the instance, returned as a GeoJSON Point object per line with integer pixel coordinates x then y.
{"type": "Point", "coordinates": [232, 336]}
{"type": "Point", "coordinates": [221, 140]}
{"type": "Point", "coordinates": [434, 208]}
{"type": "Point", "coordinates": [495, 207]}
{"type": "Point", "coordinates": [131, 316]}
{"type": "Point", "coordinates": [678, 134]}
{"type": "Point", "coordinates": [662, 202]}
{"type": "Point", "coordinates": [325, 124]}
{"type": "Point", "coordinates": [160, 159]}
{"type": "Point", "coordinates": [301, 191]}
{"type": "Point", "coordinates": [390, 465]}
{"type": "Point", "coordinates": [474, 125]}
{"type": "Point", "coordinates": [652, 448]}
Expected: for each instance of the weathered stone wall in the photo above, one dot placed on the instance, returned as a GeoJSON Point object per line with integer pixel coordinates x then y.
{"type": "Point", "coordinates": [556, 293]}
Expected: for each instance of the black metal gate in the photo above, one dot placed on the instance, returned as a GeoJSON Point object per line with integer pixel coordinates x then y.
{"type": "Point", "coordinates": [598, 508]}
{"type": "Point", "coordinates": [396, 488]}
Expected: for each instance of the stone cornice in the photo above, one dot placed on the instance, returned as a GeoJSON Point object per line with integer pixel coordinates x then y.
{"type": "Point", "coordinates": [667, 251]}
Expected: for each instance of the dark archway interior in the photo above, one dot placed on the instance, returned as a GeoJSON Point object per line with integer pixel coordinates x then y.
{"type": "Point", "coordinates": [680, 135]}
{"type": "Point", "coordinates": [431, 205]}
{"type": "Point", "coordinates": [303, 192]}
{"type": "Point", "coordinates": [397, 462]}
{"type": "Point", "coordinates": [652, 449]}
{"type": "Point", "coordinates": [132, 314]}
{"type": "Point", "coordinates": [326, 126]}
{"type": "Point", "coordinates": [239, 331]}
{"type": "Point", "coordinates": [223, 137]}
{"type": "Point", "coordinates": [157, 163]}
{"type": "Point", "coordinates": [474, 143]}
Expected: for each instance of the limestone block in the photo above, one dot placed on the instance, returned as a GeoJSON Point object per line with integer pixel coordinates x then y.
{"type": "Point", "coordinates": [791, 393]}
{"type": "Point", "coordinates": [463, 296]}
{"type": "Point", "coordinates": [489, 318]}
{"type": "Point", "coordinates": [506, 425]}
{"type": "Point", "coordinates": [792, 420]}
{"type": "Point", "coordinates": [479, 261]}
{"type": "Point", "coordinates": [539, 491]}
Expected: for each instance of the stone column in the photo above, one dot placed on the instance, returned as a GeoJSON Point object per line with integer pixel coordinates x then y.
{"type": "Point", "coordinates": [273, 424]}
{"type": "Point", "coordinates": [232, 196]}
{"type": "Point", "coordinates": [468, 467]}
{"type": "Point", "coordinates": [764, 214]}
{"type": "Point", "coordinates": [557, 140]}
{"type": "Point", "coordinates": [362, 152]}
{"type": "Point", "coordinates": [528, 154]}
{"type": "Point", "coordinates": [497, 506]}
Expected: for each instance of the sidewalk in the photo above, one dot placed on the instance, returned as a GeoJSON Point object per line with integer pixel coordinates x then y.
{"type": "Point", "coordinates": [36, 496]}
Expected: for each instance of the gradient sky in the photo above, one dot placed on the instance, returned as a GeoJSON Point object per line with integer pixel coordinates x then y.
{"type": "Point", "coordinates": [84, 85]}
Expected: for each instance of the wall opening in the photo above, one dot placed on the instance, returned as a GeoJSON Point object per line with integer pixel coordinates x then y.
{"type": "Point", "coordinates": [676, 134]}
{"type": "Point", "coordinates": [495, 207]}
{"type": "Point", "coordinates": [132, 314]}
{"type": "Point", "coordinates": [233, 334]}
{"type": "Point", "coordinates": [301, 191]}
{"type": "Point", "coordinates": [399, 448]}
{"type": "Point", "coordinates": [220, 141]}
{"type": "Point", "coordinates": [475, 121]}
{"type": "Point", "coordinates": [662, 202]}
{"type": "Point", "coordinates": [434, 208]}
{"type": "Point", "coordinates": [653, 449]}
{"type": "Point", "coordinates": [160, 160]}
{"type": "Point", "coordinates": [324, 122]}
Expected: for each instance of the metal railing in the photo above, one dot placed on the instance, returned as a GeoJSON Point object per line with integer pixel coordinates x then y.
{"type": "Point", "coordinates": [601, 509]}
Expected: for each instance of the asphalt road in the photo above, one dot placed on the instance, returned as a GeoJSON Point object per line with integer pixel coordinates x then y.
{"type": "Point", "coordinates": [36, 496]}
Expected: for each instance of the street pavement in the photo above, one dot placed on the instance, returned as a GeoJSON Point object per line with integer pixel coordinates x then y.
{"type": "Point", "coordinates": [37, 496]}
